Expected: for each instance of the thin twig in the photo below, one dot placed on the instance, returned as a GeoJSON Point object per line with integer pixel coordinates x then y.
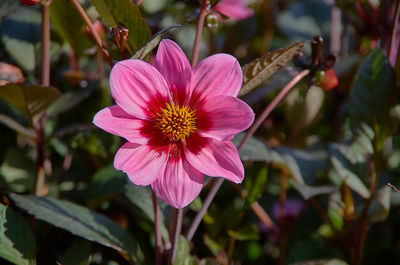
{"type": "Point", "coordinates": [93, 31]}
{"type": "Point", "coordinates": [393, 36]}
{"type": "Point", "coordinates": [16, 126]}
{"type": "Point", "coordinates": [39, 124]}
{"type": "Point", "coordinates": [45, 74]}
{"type": "Point", "coordinates": [250, 132]}
{"type": "Point", "coordinates": [262, 215]}
{"type": "Point", "coordinates": [71, 129]}
{"type": "Point", "coordinates": [206, 204]}
{"type": "Point", "coordinates": [393, 187]}
{"type": "Point", "coordinates": [199, 31]}
{"type": "Point", "coordinates": [157, 230]}
{"type": "Point", "coordinates": [282, 217]}
{"type": "Point", "coordinates": [336, 15]}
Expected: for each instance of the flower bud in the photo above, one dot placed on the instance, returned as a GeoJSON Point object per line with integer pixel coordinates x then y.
{"type": "Point", "coordinates": [327, 80]}
{"type": "Point", "coordinates": [30, 2]}
{"type": "Point", "coordinates": [98, 27]}
{"type": "Point", "coordinates": [212, 21]}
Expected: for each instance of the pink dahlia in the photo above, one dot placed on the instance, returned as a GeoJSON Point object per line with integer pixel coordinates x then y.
{"type": "Point", "coordinates": [178, 121]}
{"type": "Point", "coordinates": [234, 9]}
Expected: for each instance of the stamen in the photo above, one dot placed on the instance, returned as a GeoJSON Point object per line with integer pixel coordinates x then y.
{"type": "Point", "coordinates": [176, 122]}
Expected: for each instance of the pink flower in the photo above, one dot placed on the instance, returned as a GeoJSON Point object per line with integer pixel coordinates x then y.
{"type": "Point", "coordinates": [178, 121]}
{"type": "Point", "coordinates": [234, 9]}
{"type": "Point", "coordinates": [30, 2]}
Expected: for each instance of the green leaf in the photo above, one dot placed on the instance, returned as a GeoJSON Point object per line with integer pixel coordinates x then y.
{"type": "Point", "coordinates": [20, 33]}
{"type": "Point", "coordinates": [372, 96]}
{"type": "Point", "coordinates": [245, 233]}
{"type": "Point", "coordinates": [301, 164]}
{"type": "Point", "coordinates": [146, 49]}
{"type": "Point", "coordinates": [124, 12]}
{"type": "Point", "coordinates": [380, 205]}
{"type": "Point", "coordinates": [321, 262]}
{"type": "Point", "coordinates": [258, 71]}
{"type": "Point", "coordinates": [105, 184]}
{"type": "Point", "coordinates": [302, 108]}
{"type": "Point", "coordinates": [68, 101]}
{"type": "Point", "coordinates": [70, 30]}
{"type": "Point", "coordinates": [17, 171]}
{"type": "Point", "coordinates": [19, 128]}
{"type": "Point", "coordinates": [141, 197]}
{"type": "Point", "coordinates": [255, 181]}
{"type": "Point", "coordinates": [30, 100]}
{"type": "Point", "coordinates": [77, 254]}
{"type": "Point", "coordinates": [17, 244]}
{"type": "Point", "coordinates": [183, 253]}
{"type": "Point", "coordinates": [8, 6]}
{"type": "Point", "coordinates": [308, 191]}
{"type": "Point", "coordinates": [79, 221]}
{"type": "Point", "coordinates": [350, 166]}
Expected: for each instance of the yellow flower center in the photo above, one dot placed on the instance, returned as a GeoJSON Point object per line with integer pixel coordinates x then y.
{"type": "Point", "coordinates": [176, 122]}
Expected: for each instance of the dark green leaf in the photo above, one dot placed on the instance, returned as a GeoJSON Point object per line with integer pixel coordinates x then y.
{"type": "Point", "coordinates": [302, 108]}
{"type": "Point", "coordinates": [14, 125]}
{"type": "Point", "coordinates": [124, 12]}
{"type": "Point", "coordinates": [321, 262]}
{"type": "Point", "coordinates": [308, 191]}
{"type": "Point", "coordinates": [248, 232]}
{"type": "Point", "coordinates": [77, 254]}
{"type": "Point", "coordinates": [20, 33]}
{"type": "Point", "coordinates": [301, 164]}
{"type": "Point", "coordinates": [17, 244]}
{"type": "Point", "coordinates": [258, 71]}
{"type": "Point", "coordinates": [105, 184]}
{"type": "Point", "coordinates": [8, 6]}
{"type": "Point", "coordinates": [372, 95]}
{"type": "Point", "coordinates": [183, 253]}
{"type": "Point", "coordinates": [71, 30]}
{"type": "Point", "coordinates": [80, 221]}
{"type": "Point", "coordinates": [68, 101]}
{"type": "Point", "coordinates": [30, 100]}
{"type": "Point", "coordinates": [255, 181]}
{"type": "Point", "coordinates": [17, 171]}
{"type": "Point", "coordinates": [146, 49]}
{"type": "Point", "coordinates": [141, 197]}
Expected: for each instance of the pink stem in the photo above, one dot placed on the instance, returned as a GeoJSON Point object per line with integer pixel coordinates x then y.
{"type": "Point", "coordinates": [157, 230]}
{"type": "Point", "coordinates": [199, 31]}
{"type": "Point", "coordinates": [93, 31]}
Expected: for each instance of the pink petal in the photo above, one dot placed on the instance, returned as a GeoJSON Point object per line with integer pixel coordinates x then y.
{"type": "Point", "coordinates": [180, 184]}
{"type": "Point", "coordinates": [235, 9]}
{"type": "Point", "coordinates": [142, 164]}
{"type": "Point", "coordinates": [173, 64]}
{"type": "Point", "coordinates": [138, 88]}
{"type": "Point", "coordinates": [116, 121]}
{"type": "Point", "coordinates": [215, 158]}
{"type": "Point", "coordinates": [219, 74]}
{"type": "Point", "coordinates": [223, 117]}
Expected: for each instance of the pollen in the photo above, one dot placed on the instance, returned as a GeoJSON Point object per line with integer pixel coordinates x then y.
{"type": "Point", "coordinates": [176, 122]}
